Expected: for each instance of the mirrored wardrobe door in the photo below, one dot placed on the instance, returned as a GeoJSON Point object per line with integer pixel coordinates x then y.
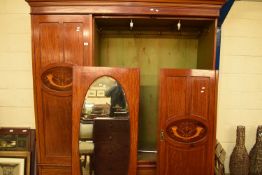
{"type": "Point", "coordinates": [104, 129]}
{"type": "Point", "coordinates": [105, 110]}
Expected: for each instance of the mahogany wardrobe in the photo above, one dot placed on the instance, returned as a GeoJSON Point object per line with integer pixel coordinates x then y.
{"type": "Point", "coordinates": [112, 77]}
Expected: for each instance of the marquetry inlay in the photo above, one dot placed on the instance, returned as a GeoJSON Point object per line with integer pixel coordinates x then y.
{"type": "Point", "coordinates": [58, 78]}
{"type": "Point", "coordinates": [187, 130]}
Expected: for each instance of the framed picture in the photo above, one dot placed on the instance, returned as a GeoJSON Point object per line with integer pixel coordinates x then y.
{"type": "Point", "coordinates": [19, 139]}
{"type": "Point", "coordinates": [91, 93]}
{"type": "Point", "coordinates": [100, 93]}
{"type": "Point", "coordinates": [15, 162]}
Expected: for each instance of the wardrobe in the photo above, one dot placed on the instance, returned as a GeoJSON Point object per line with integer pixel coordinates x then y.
{"type": "Point", "coordinates": [161, 52]}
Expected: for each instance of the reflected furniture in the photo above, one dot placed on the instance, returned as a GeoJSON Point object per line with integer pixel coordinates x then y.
{"type": "Point", "coordinates": [112, 146]}
{"type": "Point", "coordinates": [104, 132]}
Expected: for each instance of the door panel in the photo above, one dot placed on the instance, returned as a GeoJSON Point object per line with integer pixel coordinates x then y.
{"type": "Point", "coordinates": [73, 42]}
{"type": "Point", "coordinates": [49, 43]}
{"type": "Point", "coordinates": [57, 131]}
{"type": "Point", "coordinates": [58, 44]}
{"type": "Point", "coordinates": [200, 97]}
{"type": "Point", "coordinates": [114, 151]}
{"type": "Point", "coordinates": [176, 103]}
{"type": "Point", "coordinates": [194, 164]}
{"type": "Point", "coordinates": [186, 122]}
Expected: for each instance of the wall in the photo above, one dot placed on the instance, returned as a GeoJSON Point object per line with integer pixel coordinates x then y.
{"type": "Point", "coordinates": [16, 93]}
{"type": "Point", "coordinates": [240, 83]}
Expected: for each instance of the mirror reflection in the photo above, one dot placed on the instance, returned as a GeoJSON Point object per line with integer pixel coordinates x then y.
{"type": "Point", "coordinates": [104, 135]}
{"type": "Point", "coordinates": [105, 98]}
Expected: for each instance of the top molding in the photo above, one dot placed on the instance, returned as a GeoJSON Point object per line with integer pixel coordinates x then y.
{"type": "Point", "coordinates": [152, 1]}
{"type": "Point", "coordinates": [187, 8]}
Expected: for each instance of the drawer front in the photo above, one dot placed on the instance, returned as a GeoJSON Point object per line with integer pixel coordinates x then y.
{"type": "Point", "coordinates": [50, 170]}
{"type": "Point", "coordinates": [146, 167]}
{"type": "Point", "coordinates": [112, 125]}
{"type": "Point", "coordinates": [146, 171]}
{"type": "Point", "coordinates": [116, 153]}
{"type": "Point", "coordinates": [112, 132]}
{"type": "Point", "coordinates": [112, 147]}
{"type": "Point", "coordinates": [111, 138]}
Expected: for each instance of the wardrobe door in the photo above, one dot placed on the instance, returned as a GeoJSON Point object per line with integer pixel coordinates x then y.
{"type": "Point", "coordinates": [59, 42]}
{"type": "Point", "coordinates": [105, 120]}
{"type": "Point", "coordinates": [186, 122]}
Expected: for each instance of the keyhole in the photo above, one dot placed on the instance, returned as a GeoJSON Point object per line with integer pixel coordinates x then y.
{"type": "Point", "coordinates": [78, 29]}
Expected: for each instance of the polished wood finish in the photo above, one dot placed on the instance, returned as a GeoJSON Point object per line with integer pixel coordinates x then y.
{"type": "Point", "coordinates": [187, 107]}
{"type": "Point", "coordinates": [53, 170]}
{"type": "Point", "coordinates": [58, 44]}
{"type": "Point", "coordinates": [146, 164]}
{"type": "Point", "coordinates": [59, 30]}
{"type": "Point", "coordinates": [146, 167]}
{"type": "Point", "coordinates": [176, 1]}
{"type": "Point", "coordinates": [147, 7]}
{"type": "Point", "coordinates": [83, 77]}
{"type": "Point", "coordinates": [212, 11]}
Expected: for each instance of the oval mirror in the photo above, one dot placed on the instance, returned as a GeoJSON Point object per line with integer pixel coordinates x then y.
{"type": "Point", "coordinates": [104, 139]}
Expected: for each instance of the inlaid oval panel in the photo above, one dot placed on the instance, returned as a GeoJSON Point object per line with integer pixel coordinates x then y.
{"type": "Point", "coordinates": [186, 130]}
{"type": "Point", "coordinates": [58, 78]}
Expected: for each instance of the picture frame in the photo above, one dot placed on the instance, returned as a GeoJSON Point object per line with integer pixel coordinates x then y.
{"type": "Point", "coordinates": [15, 162]}
{"type": "Point", "coordinates": [91, 93]}
{"type": "Point", "coordinates": [100, 93]}
{"type": "Point", "coordinates": [19, 139]}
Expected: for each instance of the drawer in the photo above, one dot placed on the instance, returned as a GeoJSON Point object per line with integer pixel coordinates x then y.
{"type": "Point", "coordinates": [112, 131]}
{"type": "Point", "coordinates": [111, 125]}
{"type": "Point", "coordinates": [57, 170]}
{"type": "Point", "coordinates": [112, 146]}
{"type": "Point", "coordinates": [112, 158]}
{"type": "Point", "coordinates": [146, 168]}
{"type": "Point", "coordinates": [146, 164]}
{"type": "Point", "coordinates": [114, 152]}
{"type": "Point", "coordinates": [112, 137]}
